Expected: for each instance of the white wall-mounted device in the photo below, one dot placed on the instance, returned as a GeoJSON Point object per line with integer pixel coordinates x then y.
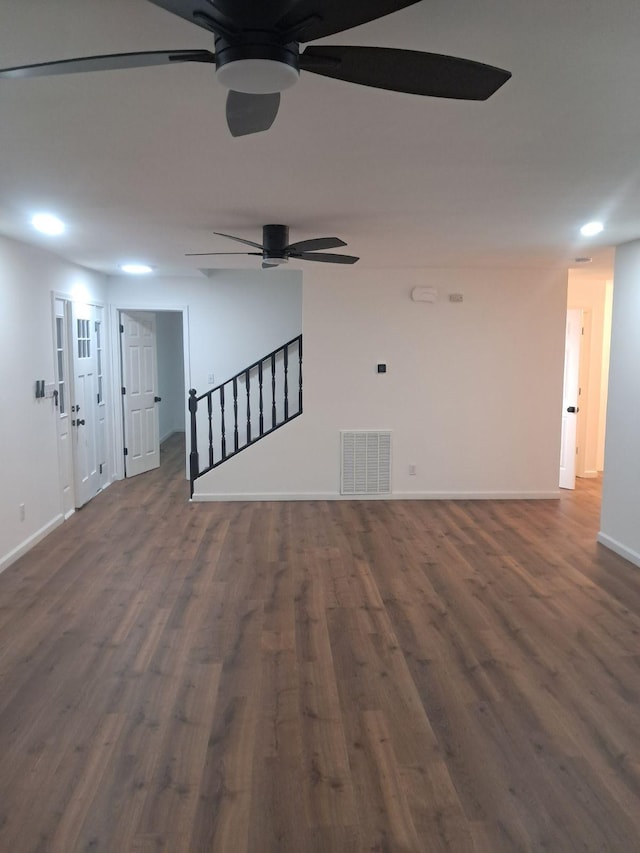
{"type": "Point", "coordinates": [424, 294]}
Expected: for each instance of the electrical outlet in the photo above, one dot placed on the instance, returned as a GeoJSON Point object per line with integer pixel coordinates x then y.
{"type": "Point", "coordinates": [22, 512]}
{"type": "Point", "coordinates": [413, 470]}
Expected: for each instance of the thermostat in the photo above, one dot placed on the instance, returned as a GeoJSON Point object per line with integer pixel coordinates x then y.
{"type": "Point", "coordinates": [424, 294]}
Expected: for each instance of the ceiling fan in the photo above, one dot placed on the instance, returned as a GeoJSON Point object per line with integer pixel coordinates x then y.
{"type": "Point", "coordinates": [276, 249]}
{"type": "Point", "coordinates": [257, 55]}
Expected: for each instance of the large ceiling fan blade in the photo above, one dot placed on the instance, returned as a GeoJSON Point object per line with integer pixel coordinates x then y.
{"type": "Point", "coordinates": [203, 254]}
{"type": "Point", "coordinates": [238, 240]}
{"type": "Point", "coordinates": [109, 62]}
{"type": "Point", "coordinates": [315, 244]}
{"type": "Point", "coordinates": [309, 20]}
{"type": "Point", "coordinates": [406, 71]}
{"type": "Point", "coordinates": [324, 257]}
{"type": "Point", "coordinates": [251, 113]}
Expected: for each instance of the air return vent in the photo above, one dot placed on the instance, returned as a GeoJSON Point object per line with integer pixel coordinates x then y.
{"type": "Point", "coordinates": [366, 463]}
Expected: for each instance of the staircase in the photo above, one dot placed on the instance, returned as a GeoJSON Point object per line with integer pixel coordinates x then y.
{"type": "Point", "coordinates": [246, 408]}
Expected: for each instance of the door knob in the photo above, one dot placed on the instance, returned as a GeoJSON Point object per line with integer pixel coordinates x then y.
{"type": "Point", "coordinates": [80, 422]}
{"type": "Point", "coordinates": [157, 399]}
{"type": "Point", "coordinates": [572, 409]}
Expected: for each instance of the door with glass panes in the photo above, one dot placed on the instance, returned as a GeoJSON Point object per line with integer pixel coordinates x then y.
{"type": "Point", "coordinates": [81, 410]}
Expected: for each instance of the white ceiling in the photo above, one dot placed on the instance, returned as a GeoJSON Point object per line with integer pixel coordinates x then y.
{"type": "Point", "coordinates": [140, 163]}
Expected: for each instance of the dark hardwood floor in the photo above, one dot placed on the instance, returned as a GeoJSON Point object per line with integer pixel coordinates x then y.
{"type": "Point", "coordinates": [319, 677]}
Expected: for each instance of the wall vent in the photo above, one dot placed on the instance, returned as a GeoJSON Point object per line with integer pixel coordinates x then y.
{"type": "Point", "coordinates": [366, 463]}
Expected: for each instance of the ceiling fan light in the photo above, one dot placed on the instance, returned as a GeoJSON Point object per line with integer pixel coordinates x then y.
{"type": "Point", "coordinates": [275, 262]}
{"type": "Point", "coordinates": [257, 76]}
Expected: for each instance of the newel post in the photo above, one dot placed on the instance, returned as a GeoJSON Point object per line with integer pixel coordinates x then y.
{"type": "Point", "coordinates": [194, 463]}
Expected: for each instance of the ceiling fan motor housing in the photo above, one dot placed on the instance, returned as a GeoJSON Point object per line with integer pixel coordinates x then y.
{"type": "Point", "coordinates": [255, 63]}
{"type": "Point", "coordinates": [275, 239]}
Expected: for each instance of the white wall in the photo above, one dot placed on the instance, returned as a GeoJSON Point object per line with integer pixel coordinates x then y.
{"type": "Point", "coordinates": [234, 317]}
{"type": "Point", "coordinates": [619, 527]}
{"type": "Point", "coordinates": [170, 373]}
{"type": "Point", "coordinates": [28, 444]}
{"type": "Point", "coordinates": [472, 392]}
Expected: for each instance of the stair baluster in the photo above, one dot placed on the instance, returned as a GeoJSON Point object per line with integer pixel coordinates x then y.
{"type": "Point", "coordinates": [261, 400]}
{"type": "Point", "coordinates": [222, 427]}
{"type": "Point", "coordinates": [210, 417]}
{"type": "Point", "coordinates": [300, 373]}
{"type": "Point", "coordinates": [248, 383]}
{"type": "Point", "coordinates": [273, 390]}
{"type": "Point", "coordinates": [235, 413]}
{"type": "Point", "coordinates": [286, 383]}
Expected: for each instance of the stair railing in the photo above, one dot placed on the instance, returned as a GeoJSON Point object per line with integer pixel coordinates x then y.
{"type": "Point", "coordinates": [246, 408]}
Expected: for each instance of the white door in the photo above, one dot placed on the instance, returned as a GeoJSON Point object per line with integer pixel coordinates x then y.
{"type": "Point", "coordinates": [62, 397]}
{"type": "Point", "coordinates": [140, 394]}
{"type": "Point", "coordinates": [570, 394]}
{"type": "Point", "coordinates": [83, 403]}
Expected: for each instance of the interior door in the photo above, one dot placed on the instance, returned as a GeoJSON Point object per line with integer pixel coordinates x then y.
{"type": "Point", "coordinates": [83, 408]}
{"type": "Point", "coordinates": [570, 394]}
{"type": "Point", "coordinates": [63, 405]}
{"type": "Point", "coordinates": [140, 395]}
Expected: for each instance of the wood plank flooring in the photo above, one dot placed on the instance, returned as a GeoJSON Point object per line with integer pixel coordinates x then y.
{"type": "Point", "coordinates": [319, 677]}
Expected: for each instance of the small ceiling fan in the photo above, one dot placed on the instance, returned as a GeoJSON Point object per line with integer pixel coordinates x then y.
{"type": "Point", "coordinates": [276, 249]}
{"type": "Point", "coordinates": [257, 55]}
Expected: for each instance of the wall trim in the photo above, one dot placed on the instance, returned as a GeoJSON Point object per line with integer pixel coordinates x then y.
{"type": "Point", "coordinates": [30, 542]}
{"type": "Point", "coordinates": [396, 496]}
{"type": "Point", "coordinates": [619, 548]}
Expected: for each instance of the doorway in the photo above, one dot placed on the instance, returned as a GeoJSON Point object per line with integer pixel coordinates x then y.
{"type": "Point", "coordinates": [589, 303]}
{"type": "Point", "coordinates": [152, 370]}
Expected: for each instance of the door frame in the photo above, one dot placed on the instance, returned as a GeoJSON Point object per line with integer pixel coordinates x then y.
{"type": "Point", "coordinates": [569, 449]}
{"type": "Point", "coordinates": [68, 380]}
{"type": "Point", "coordinates": [116, 372]}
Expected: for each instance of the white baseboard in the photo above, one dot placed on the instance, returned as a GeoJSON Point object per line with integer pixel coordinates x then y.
{"type": "Point", "coordinates": [477, 496]}
{"type": "Point", "coordinates": [619, 548]}
{"type": "Point", "coordinates": [29, 543]}
{"type": "Point", "coordinates": [396, 496]}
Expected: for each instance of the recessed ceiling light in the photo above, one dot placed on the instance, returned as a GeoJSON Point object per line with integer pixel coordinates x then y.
{"type": "Point", "coordinates": [591, 229]}
{"type": "Point", "coordinates": [47, 223]}
{"type": "Point", "coordinates": [136, 269]}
